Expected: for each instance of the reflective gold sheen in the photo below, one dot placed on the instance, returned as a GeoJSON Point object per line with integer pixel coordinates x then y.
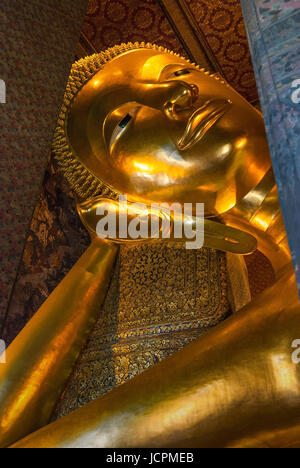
{"type": "Point", "coordinates": [141, 121]}
{"type": "Point", "coordinates": [216, 235]}
{"type": "Point", "coordinates": [187, 138]}
{"type": "Point", "coordinates": [40, 359]}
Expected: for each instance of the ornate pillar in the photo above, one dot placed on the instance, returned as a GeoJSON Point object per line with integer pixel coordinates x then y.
{"type": "Point", "coordinates": [38, 43]}
{"type": "Point", "coordinates": [273, 31]}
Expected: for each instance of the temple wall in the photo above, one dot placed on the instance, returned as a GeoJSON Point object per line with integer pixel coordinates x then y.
{"type": "Point", "coordinates": [38, 43]}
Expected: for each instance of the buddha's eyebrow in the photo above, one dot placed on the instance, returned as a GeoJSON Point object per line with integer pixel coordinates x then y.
{"type": "Point", "coordinates": [177, 70]}
{"type": "Point", "coordinates": [182, 72]}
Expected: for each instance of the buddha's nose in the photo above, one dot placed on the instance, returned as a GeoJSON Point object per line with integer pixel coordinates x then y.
{"type": "Point", "coordinates": [168, 96]}
{"type": "Point", "coordinates": [183, 97]}
{"type": "Point", "coordinates": [181, 94]}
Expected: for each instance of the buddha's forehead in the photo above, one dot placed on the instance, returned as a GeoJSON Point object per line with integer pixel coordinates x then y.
{"type": "Point", "coordinates": [140, 64]}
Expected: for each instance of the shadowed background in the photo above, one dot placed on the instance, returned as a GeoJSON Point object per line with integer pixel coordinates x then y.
{"type": "Point", "coordinates": [37, 45]}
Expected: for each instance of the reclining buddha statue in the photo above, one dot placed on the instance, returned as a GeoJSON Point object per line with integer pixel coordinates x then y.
{"type": "Point", "coordinates": [141, 121]}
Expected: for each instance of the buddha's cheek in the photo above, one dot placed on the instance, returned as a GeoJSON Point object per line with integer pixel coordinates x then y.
{"type": "Point", "coordinates": [215, 162]}
{"type": "Point", "coordinates": [150, 161]}
{"type": "Point", "coordinates": [147, 158]}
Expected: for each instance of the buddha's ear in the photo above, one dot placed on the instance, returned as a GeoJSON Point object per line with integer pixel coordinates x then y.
{"type": "Point", "coordinates": [88, 212]}
{"type": "Point", "coordinates": [111, 220]}
{"type": "Point", "coordinates": [228, 239]}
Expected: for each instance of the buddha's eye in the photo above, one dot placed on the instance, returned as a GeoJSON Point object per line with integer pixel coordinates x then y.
{"type": "Point", "coordinates": [182, 72]}
{"type": "Point", "coordinates": [125, 121]}
{"type": "Point", "coordinates": [121, 127]}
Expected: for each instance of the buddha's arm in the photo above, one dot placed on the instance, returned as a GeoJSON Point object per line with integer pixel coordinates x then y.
{"type": "Point", "coordinates": [236, 386]}
{"type": "Point", "coordinates": [41, 358]}
{"type": "Point", "coordinates": [259, 214]}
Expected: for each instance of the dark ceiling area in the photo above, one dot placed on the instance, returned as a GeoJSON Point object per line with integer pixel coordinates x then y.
{"type": "Point", "coordinates": [209, 33]}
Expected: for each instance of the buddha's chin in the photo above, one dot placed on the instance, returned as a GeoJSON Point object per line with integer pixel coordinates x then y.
{"type": "Point", "coordinates": [215, 202]}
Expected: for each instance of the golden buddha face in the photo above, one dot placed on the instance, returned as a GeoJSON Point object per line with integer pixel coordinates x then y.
{"type": "Point", "coordinates": [155, 127]}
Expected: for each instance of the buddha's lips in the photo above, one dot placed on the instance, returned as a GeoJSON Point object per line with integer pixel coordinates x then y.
{"type": "Point", "coordinates": [202, 120]}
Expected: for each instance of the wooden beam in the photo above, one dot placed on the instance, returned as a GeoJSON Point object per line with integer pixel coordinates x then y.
{"type": "Point", "coordinates": [189, 34]}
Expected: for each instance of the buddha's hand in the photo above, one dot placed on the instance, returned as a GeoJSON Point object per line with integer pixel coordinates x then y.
{"type": "Point", "coordinates": [124, 221]}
